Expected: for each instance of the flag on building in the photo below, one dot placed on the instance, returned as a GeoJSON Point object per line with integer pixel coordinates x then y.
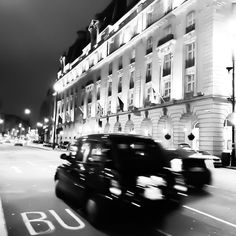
{"type": "Point", "coordinates": [99, 110]}
{"type": "Point", "coordinates": [136, 111]}
{"type": "Point", "coordinates": [153, 97]}
{"type": "Point", "coordinates": [68, 117]}
{"type": "Point", "coordinates": [59, 120]}
{"type": "Point", "coordinates": [121, 104]}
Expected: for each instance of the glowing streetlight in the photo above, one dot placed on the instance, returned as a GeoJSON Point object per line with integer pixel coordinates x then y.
{"type": "Point", "coordinates": [27, 111]}
{"type": "Point", "coordinates": [46, 120]}
{"type": "Point", "coordinates": [39, 124]}
{"type": "Point", "coordinates": [1, 121]}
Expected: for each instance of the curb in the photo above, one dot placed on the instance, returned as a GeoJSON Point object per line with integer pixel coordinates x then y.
{"type": "Point", "coordinates": [3, 226]}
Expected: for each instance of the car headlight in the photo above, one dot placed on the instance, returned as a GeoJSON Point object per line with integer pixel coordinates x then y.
{"type": "Point", "coordinates": [176, 165]}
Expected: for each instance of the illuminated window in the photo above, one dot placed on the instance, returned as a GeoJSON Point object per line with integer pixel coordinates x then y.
{"type": "Point", "coordinates": [189, 83]}
{"type": "Point", "coordinates": [149, 18]}
{"type": "Point", "coordinates": [190, 22]}
{"type": "Point", "coordinates": [132, 59]}
{"type": "Point", "coordinates": [167, 65]}
{"type": "Point", "coordinates": [167, 89]}
{"type": "Point", "coordinates": [149, 72]}
{"type": "Point", "coordinates": [190, 55]}
{"type": "Point", "coordinates": [149, 45]}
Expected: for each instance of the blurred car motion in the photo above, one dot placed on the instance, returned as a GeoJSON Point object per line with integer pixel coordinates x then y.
{"type": "Point", "coordinates": [105, 170]}
{"type": "Point", "coordinates": [64, 145]}
{"type": "Point", "coordinates": [191, 168]}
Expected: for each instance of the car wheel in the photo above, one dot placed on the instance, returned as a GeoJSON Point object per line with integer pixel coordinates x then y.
{"type": "Point", "coordinates": [58, 190]}
{"type": "Point", "coordinates": [94, 211]}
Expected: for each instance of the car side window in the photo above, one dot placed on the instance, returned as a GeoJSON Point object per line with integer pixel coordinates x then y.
{"type": "Point", "coordinates": [84, 151]}
{"type": "Point", "coordinates": [98, 152]}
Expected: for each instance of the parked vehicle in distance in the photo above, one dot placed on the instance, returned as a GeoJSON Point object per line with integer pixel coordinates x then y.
{"type": "Point", "coordinates": [47, 144]}
{"type": "Point", "coordinates": [64, 145]}
{"type": "Point", "coordinates": [110, 170]}
{"type": "Point", "coordinates": [216, 160]}
{"type": "Point", "coordinates": [19, 142]}
{"type": "Point", "coordinates": [192, 171]}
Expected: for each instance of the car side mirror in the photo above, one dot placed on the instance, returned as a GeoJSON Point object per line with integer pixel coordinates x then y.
{"type": "Point", "coordinates": [63, 156]}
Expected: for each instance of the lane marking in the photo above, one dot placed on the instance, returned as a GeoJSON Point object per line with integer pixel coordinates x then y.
{"type": "Point", "coordinates": [17, 169]}
{"type": "Point", "coordinates": [209, 215]}
{"type": "Point", "coordinates": [3, 228]}
{"type": "Point", "coordinates": [162, 232]}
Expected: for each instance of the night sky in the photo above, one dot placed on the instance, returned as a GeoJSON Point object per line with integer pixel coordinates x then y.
{"type": "Point", "coordinates": [33, 36]}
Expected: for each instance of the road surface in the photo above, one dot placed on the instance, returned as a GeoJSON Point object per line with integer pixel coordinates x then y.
{"type": "Point", "coordinates": [30, 207]}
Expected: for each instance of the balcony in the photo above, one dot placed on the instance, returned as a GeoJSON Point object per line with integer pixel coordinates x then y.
{"type": "Point", "coordinates": [165, 39]}
{"type": "Point", "coordinates": [190, 28]}
{"type": "Point", "coordinates": [189, 63]}
{"type": "Point", "coordinates": [188, 95]}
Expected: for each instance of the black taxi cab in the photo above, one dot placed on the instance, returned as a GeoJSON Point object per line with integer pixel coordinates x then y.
{"type": "Point", "coordinates": [104, 170]}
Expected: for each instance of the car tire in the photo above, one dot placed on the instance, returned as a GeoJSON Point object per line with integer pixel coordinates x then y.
{"type": "Point", "coordinates": [94, 211]}
{"type": "Point", "coordinates": [58, 190]}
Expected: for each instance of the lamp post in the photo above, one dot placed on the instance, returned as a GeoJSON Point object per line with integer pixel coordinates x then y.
{"type": "Point", "coordinates": [232, 99]}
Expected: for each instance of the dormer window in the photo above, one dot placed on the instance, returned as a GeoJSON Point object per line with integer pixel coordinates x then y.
{"type": "Point", "coordinates": [167, 65]}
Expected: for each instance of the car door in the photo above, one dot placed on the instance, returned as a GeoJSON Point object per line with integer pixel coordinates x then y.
{"type": "Point", "coordinates": [79, 171]}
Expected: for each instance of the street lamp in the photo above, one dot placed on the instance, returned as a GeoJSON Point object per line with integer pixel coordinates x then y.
{"type": "Point", "coordinates": [56, 89]}
{"type": "Point", "coordinates": [27, 111]}
{"type": "Point", "coordinates": [232, 100]}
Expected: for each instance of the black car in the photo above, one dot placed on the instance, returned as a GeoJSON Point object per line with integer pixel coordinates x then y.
{"type": "Point", "coordinates": [105, 170]}
{"type": "Point", "coordinates": [64, 145]}
{"type": "Point", "coordinates": [191, 171]}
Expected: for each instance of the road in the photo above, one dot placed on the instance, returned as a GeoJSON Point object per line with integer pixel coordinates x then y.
{"type": "Point", "coordinates": [30, 206]}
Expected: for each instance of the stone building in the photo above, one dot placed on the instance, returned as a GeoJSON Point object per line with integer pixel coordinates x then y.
{"type": "Point", "coordinates": [152, 67]}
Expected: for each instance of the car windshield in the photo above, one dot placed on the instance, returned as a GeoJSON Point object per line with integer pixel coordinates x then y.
{"type": "Point", "coordinates": [138, 155]}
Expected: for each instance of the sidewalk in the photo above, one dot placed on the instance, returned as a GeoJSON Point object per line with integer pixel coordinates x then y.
{"type": "Point", "coordinates": [40, 146]}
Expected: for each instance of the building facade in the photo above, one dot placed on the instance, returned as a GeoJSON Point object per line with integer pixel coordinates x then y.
{"type": "Point", "coordinates": [157, 69]}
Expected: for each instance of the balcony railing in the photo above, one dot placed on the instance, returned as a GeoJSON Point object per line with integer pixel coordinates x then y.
{"type": "Point", "coordinates": [190, 28]}
{"type": "Point", "coordinates": [189, 63]}
{"type": "Point", "coordinates": [188, 95]}
{"type": "Point", "coordinates": [165, 99]}
{"type": "Point", "coordinates": [167, 38]}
